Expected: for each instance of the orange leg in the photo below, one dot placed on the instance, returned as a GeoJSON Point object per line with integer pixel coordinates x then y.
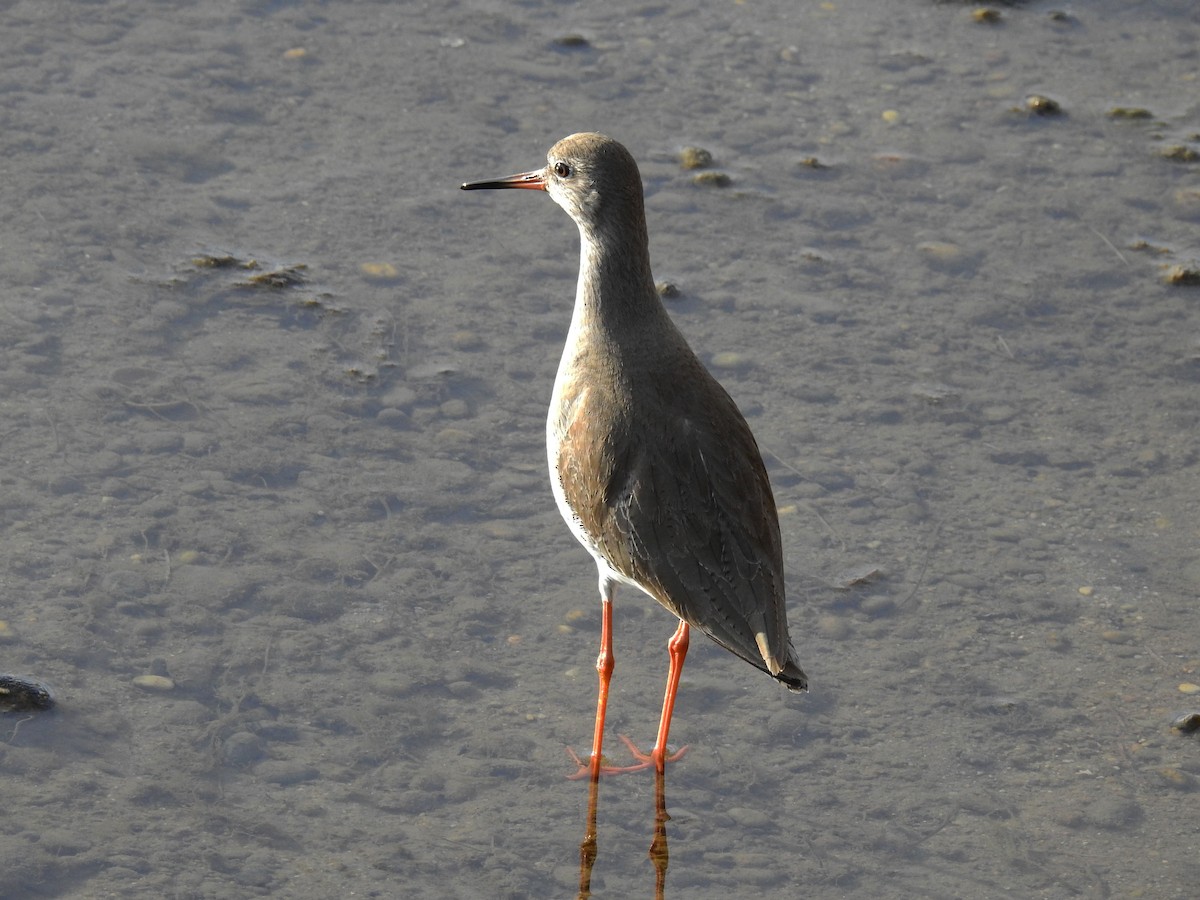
{"type": "Point", "coordinates": [605, 663]}
{"type": "Point", "coordinates": [677, 648]}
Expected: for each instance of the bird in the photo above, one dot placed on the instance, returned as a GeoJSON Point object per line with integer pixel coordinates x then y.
{"type": "Point", "coordinates": [652, 465]}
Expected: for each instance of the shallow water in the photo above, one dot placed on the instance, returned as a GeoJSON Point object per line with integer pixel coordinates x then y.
{"type": "Point", "coordinates": [318, 507]}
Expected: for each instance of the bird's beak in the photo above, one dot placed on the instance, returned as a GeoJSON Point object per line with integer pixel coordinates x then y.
{"type": "Point", "coordinates": [532, 181]}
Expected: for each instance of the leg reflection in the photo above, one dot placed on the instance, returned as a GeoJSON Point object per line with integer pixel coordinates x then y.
{"type": "Point", "coordinates": [588, 849]}
{"type": "Point", "coordinates": [658, 847]}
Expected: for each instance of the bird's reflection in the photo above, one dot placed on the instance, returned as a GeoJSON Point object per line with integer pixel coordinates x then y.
{"type": "Point", "coordinates": [659, 855]}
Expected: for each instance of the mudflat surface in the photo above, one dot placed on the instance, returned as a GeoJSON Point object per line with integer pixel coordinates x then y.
{"type": "Point", "coordinates": [276, 523]}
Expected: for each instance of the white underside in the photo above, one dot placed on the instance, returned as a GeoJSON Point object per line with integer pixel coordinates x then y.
{"type": "Point", "coordinates": [556, 426]}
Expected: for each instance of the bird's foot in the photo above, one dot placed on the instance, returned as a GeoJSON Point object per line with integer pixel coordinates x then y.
{"type": "Point", "coordinates": [644, 761]}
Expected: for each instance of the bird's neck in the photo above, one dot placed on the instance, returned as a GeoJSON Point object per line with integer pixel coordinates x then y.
{"type": "Point", "coordinates": [615, 295]}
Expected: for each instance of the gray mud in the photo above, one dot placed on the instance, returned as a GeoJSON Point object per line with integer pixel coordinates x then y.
{"type": "Point", "coordinates": [272, 394]}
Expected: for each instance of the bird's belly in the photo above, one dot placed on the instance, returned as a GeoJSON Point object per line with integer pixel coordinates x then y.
{"type": "Point", "coordinates": [556, 428]}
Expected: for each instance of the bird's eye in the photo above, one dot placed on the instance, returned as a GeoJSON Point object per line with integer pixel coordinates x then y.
{"type": "Point", "coordinates": [562, 170]}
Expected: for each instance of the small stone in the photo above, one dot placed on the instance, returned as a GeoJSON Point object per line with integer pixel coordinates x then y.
{"type": "Point", "coordinates": [997, 413]}
{"type": "Point", "coordinates": [465, 340]}
{"type": "Point", "coordinates": [1129, 112]}
{"type": "Point", "coordinates": [667, 290]}
{"type": "Point", "coordinates": [454, 437]}
{"type": "Point", "coordinates": [1041, 105]}
{"type": "Point", "coordinates": [987, 15]}
{"type": "Point", "coordinates": [505, 531]}
{"type": "Point", "coordinates": [712, 179]}
{"type": "Point", "coordinates": [1188, 688]}
{"type": "Point", "coordinates": [1182, 274]}
{"type": "Point", "coordinates": [390, 417]}
{"type": "Point", "coordinates": [1112, 813]}
{"type": "Point", "coordinates": [695, 158]}
{"type": "Point", "coordinates": [1086, 590]}
{"type": "Point", "coordinates": [455, 409]}
{"type": "Point", "coordinates": [834, 628]}
{"type": "Point", "coordinates": [748, 817]}
{"type": "Point", "coordinates": [21, 694]}
{"type": "Point", "coordinates": [380, 272]}
{"type": "Point", "coordinates": [154, 683]}
{"type": "Point", "coordinates": [1179, 153]}
{"type": "Point", "coordinates": [942, 250]}
{"type": "Point", "coordinates": [1114, 636]}
{"type": "Point", "coordinates": [1186, 722]}
{"type": "Point", "coordinates": [285, 772]}
{"type": "Point", "coordinates": [1176, 778]}
{"type": "Point", "coordinates": [863, 574]}
{"type": "Point", "coordinates": [728, 359]}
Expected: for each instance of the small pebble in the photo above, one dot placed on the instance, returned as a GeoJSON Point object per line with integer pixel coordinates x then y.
{"type": "Point", "coordinates": [728, 359]}
{"type": "Point", "coordinates": [834, 628]}
{"type": "Point", "coordinates": [1041, 105]}
{"type": "Point", "coordinates": [1187, 722]}
{"type": "Point", "coordinates": [380, 272]}
{"type": "Point", "coordinates": [667, 290]}
{"type": "Point", "coordinates": [1182, 274]}
{"type": "Point", "coordinates": [997, 413]}
{"type": "Point", "coordinates": [391, 417]}
{"type": "Point", "coordinates": [750, 817]}
{"type": "Point", "coordinates": [21, 694]}
{"type": "Point", "coordinates": [465, 340]}
{"type": "Point", "coordinates": [943, 250]}
{"type": "Point", "coordinates": [154, 683]}
{"type": "Point", "coordinates": [1188, 688]}
{"type": "Point", "coordinates": [1176, 778]}
{"type": "Point", "coordinates": [505, 531]}
{"type": "Point", "coordinates": [1086, 590]}
{"type": "Point", "coordinates": [455, 409]}
{"type": "Point", "coordinates": [1113, 636]}
{"type": "Point", "coordinates": [695, 158]}
{"type": "Point", "coordinates": [712, 179]}
{"type": "Point", "coordinates": [987, 15]}
{"type": "Point", "coordinates": [863, 574]}
{"type": "Point", "coordinates": [890, 116]}
{"type": "Point", "coordinates": [454, 436]}
{"type": "Point", "coordinates": [1179, 153]}
{"type": "Point", "coordinates": [1129, 112]}
{"type": "Point", "coordinates": [285, 772]}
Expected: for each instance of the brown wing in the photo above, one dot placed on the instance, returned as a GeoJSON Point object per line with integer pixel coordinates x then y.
{"type": "Point", "coordinates": [684, 508]}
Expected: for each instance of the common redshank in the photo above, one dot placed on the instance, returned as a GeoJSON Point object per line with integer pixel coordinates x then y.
{"type": "Point", "coordinates": [652, 465]}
